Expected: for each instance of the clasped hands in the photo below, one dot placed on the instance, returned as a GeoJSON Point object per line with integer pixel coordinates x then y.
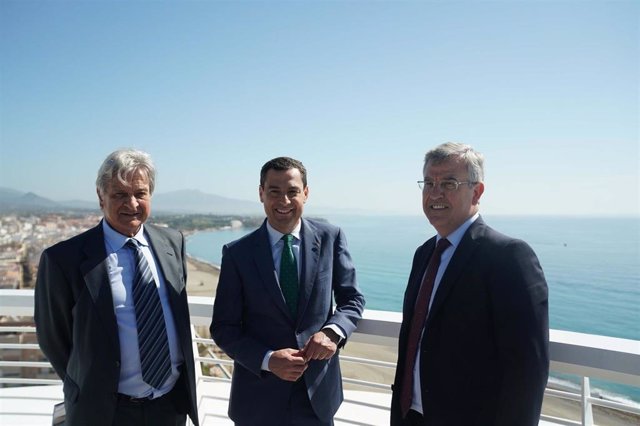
{"type": "Point", "coordinates": [289, 364]}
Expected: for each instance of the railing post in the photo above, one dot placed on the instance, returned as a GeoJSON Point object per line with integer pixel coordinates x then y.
{"type": "Point", "coordinates": [198, 367]}
{"type": "Point", "coordinates": [587, 408]}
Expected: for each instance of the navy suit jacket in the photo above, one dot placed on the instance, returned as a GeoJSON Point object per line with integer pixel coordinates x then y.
{"type": "Point", "coordinates": [76, 323]}
{"type": "Point", "coordinates": [484, 352]}
{"type": "Point", "coordinates": [250, 317]}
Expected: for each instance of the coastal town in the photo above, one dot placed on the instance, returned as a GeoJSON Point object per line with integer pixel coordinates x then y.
{"type": "Point", "coordinates": [25, 235]}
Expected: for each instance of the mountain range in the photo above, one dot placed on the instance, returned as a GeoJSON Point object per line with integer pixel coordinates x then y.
{"type": "Point", "coordinates": [182, 201]}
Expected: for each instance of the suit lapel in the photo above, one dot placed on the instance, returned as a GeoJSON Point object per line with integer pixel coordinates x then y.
{"type": "Point", "coordinates": [166, 257]}
{"type": "Point", "coordinates": [310, 251]}
{"type": "Point", "coordinates": [96, 276]}
{"type": "Point", "coordinates": [263, 258]}
{"type": "Point", "coordinates": [457, 264]}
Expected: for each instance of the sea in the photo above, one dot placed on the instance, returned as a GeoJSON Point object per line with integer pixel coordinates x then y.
{"type": "Point", "coordinates": [592, 267]}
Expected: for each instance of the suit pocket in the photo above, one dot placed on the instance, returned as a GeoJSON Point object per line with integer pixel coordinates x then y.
{"type": "Point", "coordinates": [70, 389]}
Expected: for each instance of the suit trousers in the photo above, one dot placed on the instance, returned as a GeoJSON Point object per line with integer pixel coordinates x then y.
{"type": "Point", "coordinates": [161, 411]}
{"type": "Point", "coordinates": [413, 419]}
{"type": "Point", "coordinates": [299, 411]}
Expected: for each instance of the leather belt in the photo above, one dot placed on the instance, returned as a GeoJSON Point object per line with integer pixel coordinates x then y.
{"type": "Point", "coordinates": [132, 400]}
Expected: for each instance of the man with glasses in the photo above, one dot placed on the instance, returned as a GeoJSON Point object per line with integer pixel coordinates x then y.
{"type": "Point", "coordinates": [473, 345]}
{"type": "Point", "coordinates": [274, 314]}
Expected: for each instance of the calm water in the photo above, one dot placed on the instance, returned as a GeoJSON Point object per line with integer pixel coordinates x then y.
{"type": "Point", "coordinates": [592, 266]}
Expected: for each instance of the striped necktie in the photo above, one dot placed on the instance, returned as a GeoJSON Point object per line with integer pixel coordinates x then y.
{"type": "Point", "coordinates": [153, 344]}
{"type": "Point", "coordinates": [289, 275]}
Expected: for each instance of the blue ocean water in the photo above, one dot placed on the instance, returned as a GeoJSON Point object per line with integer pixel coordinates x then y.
{"type": "Point", "coordinates": [592, 266]}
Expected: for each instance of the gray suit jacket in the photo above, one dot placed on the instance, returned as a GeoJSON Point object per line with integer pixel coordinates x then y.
{"type": "Point", "coordinates": [250, 317]}
{"type": "Point", "coordinates": [77, 329]}
{"type": "Point", "coordinates": [485, 348]}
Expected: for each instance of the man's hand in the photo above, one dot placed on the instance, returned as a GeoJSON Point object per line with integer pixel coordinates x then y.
{"type": "Point", "coordinates": [288, 364]}
{"type": "Point", "coordinates": [322, 345]}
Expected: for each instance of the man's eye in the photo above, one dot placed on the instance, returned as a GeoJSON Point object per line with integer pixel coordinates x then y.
{"type": "Point", "coordinates": [449, 185]}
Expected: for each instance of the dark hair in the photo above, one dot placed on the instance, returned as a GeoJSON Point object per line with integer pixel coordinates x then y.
{"type": "Point", "coordinates": [281, 164]}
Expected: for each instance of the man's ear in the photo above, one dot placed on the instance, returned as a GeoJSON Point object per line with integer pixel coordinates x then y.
{"type": "Point", "coordinates": [478, 190]}
{"type": "Point", "coordinates": [100, 199]}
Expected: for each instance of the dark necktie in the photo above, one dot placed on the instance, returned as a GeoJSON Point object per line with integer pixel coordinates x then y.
{"type": "Point", "coordinates": [152, 333]}
{"type": "Point", "coordinates": [289, 275]}
{"type": "Point", "coordinates": [418, 319]}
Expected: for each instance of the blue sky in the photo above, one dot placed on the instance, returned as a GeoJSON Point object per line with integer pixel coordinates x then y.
{"type": "Point", "coordinates": [549, 91]}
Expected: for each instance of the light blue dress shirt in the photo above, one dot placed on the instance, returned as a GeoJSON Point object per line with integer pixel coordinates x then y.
{"type": "Point", "coordinates": [121, 266]}
{"type": "Point", "coordinates": [454, 238]}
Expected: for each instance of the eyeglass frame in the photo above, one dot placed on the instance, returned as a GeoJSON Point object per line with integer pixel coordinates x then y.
{"type": "Point", "coordinates": [422, 184]}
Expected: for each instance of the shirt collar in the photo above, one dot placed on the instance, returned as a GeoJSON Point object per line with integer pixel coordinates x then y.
{"type": "Point", "coordinates": [456, 236]}
{"type": "Point", "coordinates": [116, 240]}
{"type": "Point", "coordinates": [275, 235]}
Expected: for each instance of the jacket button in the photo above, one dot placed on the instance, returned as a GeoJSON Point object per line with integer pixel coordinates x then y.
{"type": "Point", "coordinates": [118, 364]}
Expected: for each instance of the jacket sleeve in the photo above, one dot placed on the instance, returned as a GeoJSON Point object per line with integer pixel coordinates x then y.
{"type": "Point", "coordinates": [53, 313]}
{"type": "Point", "coordinates": [348, 298]}
{"type": "Point", "coordinates": [520, 309]}
{"type": "Point", "coordinates": [227, 321]}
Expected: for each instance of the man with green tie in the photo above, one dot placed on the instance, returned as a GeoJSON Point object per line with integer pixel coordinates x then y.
{"type": "Point", "coordinates": [273, 312]}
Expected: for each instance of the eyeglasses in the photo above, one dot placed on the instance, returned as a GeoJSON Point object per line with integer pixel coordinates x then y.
{"type": "Point", "coordinates": [447, 185]}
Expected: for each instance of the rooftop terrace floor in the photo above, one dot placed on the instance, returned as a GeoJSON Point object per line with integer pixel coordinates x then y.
{"type": "Point", "coordinates": [33, 405]}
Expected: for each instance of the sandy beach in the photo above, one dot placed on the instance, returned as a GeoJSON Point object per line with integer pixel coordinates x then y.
{"type": "Point", "coordinates": [202, 280]}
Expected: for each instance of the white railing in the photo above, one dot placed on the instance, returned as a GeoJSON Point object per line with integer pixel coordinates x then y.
{"type": "Point", "coordinates": [587, 356]}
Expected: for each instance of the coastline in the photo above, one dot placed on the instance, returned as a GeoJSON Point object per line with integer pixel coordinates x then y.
{"type": "Point", "coordinates": [202, 280]}
{"type": "Point", "coordinates": [202, 277]}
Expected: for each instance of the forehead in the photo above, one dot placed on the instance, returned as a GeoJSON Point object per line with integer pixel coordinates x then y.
{"type": "Point", "coordinates": [283, 178]}
{"type": "Point", "coordinates": [136, 180]}
{"type": "Point", "coordinates": [449, 168]}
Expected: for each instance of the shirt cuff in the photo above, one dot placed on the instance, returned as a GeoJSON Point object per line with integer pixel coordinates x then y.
{"type": "Point", "coordinates": [265, 361]}
{"type": "Point", "coordinates": [336, 330]}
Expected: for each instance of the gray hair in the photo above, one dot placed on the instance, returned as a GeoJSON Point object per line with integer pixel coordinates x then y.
{"type": "Point", "coordinates": [460, 152]}
{"type": "Point", "coordinates": [121, 165]}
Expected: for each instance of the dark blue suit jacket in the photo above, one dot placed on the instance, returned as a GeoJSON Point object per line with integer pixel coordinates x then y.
{"type": "Point", "coordinates": [250, 317]}
{"type": "Point", "coordinates": [484, 353]}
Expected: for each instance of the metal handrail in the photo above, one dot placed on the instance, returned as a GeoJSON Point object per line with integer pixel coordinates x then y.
{"type": "Point", "coordinates": [588, 356]}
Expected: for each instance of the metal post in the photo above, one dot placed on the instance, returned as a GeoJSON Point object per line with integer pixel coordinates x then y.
{"type": "Point", "coordinates": [587, 409]}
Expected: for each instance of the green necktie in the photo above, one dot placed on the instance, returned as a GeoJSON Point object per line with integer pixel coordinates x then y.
{"type": "Point", "coordinates": [289, 275]}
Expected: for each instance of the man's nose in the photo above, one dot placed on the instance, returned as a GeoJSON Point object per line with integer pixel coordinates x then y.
{"type": "Point", "coordinates": [436, 191]}
{"type": "Point", "coordinates": [132, 201]}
